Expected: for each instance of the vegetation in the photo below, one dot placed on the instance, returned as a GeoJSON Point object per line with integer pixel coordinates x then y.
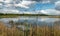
{"type": "Point", "coordinates": [25, 14]}
{"type": "Point", "coordinates": [32, 31]}
{"type": "Point", "coordinates": [8, 15]}
{"type": "Point", "coordinates": [17, 15]}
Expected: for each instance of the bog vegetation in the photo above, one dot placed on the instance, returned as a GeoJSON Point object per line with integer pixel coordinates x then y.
{"type": "Point", "coordinates": [17, 15]}
{"type": "Point", "coordinates": [32, 31]}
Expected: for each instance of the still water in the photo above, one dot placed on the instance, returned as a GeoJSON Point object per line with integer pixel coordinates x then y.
{"type": "Point", "coordinates": [33, 20]}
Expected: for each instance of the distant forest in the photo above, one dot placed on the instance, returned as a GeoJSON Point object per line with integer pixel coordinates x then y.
{"type": "Point", "coordinates": [25, 14]}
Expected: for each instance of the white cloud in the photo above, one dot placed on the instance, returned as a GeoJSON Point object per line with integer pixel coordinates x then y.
{"type": "Point", "coordinates": [57, 5]}
{"type": "Point", "coordinates": [20, 5]}
{"type": "Point", "coordinates": [0, 3]}
{"type": "Point", "coordinates": [50, 12]}
{"type": "Point", "coordinates": [14, 11]}
{"type": "Point", "coordinates": [24, 4]}
{"type": "Point", "coordinates": [7, 1]}
{"type": "Point", "coordinates": [43, 11]}
{"type": "Point", "coordinates": [47, 11]}
{"type": "Point", "coordinates": [8, 5]}
{"type": "Point", "coordinates": [1, 0]}
{"type": "Point", "coordinates": [48, 1]}
{"type": "Point", "coordinates": [27, 2]}
{"type": "Point", "coordinates": [9, 11]}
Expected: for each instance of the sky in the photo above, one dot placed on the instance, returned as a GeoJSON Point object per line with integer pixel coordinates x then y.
{"type": "Point", "coordinates": [50, 7]}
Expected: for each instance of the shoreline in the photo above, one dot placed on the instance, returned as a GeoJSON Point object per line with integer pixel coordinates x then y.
{"type": "Point", "coordinates": [30, 16]}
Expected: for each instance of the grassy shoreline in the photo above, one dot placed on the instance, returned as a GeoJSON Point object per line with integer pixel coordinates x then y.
{"type": "Point", "coordinates": [33, 31]}
{"type": "Point", "coordinates": [17, 15]}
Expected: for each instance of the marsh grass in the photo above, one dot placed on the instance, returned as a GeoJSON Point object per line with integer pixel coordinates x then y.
{"type": "Point", "coordinates": [33, 31]}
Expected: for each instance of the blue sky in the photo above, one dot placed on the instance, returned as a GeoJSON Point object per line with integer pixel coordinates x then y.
{"type": "Point", "coordinates": [50, 7]}
{"type": "Point", "coordinates": [40, 6]}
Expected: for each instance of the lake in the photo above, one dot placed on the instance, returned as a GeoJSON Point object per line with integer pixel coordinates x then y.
{"type": "Point", "coordinates": [33, 20]}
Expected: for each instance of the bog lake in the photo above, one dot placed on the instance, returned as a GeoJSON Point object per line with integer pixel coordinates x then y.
{"type": "Point", "coordinates": [39, 20]}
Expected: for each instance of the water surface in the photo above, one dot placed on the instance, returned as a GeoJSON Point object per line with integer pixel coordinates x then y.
{"type": "Point", "coordinates": [32, 20]}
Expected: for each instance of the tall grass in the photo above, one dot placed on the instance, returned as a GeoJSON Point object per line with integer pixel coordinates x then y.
{"type": "Point", "coordinates": [33, 31]}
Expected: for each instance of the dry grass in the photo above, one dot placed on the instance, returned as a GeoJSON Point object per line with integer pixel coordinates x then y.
{"type": "Point", "coordinates": [34, 31]}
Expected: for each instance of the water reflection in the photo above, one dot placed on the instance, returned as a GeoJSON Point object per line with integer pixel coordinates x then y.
{"type": "Point", "coordinates": [33, 20]}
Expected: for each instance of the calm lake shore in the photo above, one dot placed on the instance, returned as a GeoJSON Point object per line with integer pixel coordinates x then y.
{"type": "Point", "coordinates": [33, 31]}
{"type": "Point", "coordinates": [11, 25]}
{"type": "Point", "coordinates": [29, 16]}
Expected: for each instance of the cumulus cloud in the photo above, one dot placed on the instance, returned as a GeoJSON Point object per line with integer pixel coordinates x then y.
{"type": "Point", "coordinates": [24, 4]}
{"type": "Point", "coordinates": [57, 5]}
{"type": "Point", "coordinates": [9, 11]}
{"type": "Point", "coordinates": [17, 3]}
{"type": "Point", "coordinates": [0, 3]}
{"type": "Point", "coordinates": [1, 0]}
{"type": "Point", "coordinates": [45, 2]}
{"type": "Point", "coordinates": [15, 11]}
{"type": "Point", "coordinates": [50, 12]}
{"type": "Point", "coordinates": [7, 1]}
